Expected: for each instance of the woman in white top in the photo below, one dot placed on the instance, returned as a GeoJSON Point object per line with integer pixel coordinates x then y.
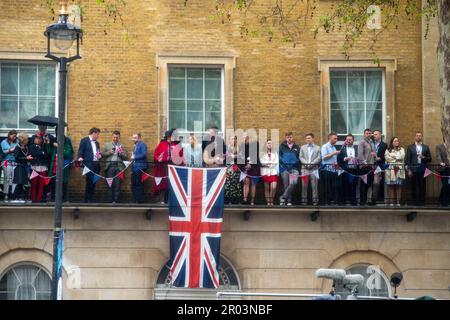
{"type": "Point", "coordinates": [192, 152]}
{"type": "Point", "coordinates": [395, 173]}
{"type": "Point", "coordinates": [269, 171]}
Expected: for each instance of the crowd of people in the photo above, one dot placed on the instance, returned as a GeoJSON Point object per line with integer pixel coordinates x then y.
{"type": "Point", "coordinates": [358, 173]}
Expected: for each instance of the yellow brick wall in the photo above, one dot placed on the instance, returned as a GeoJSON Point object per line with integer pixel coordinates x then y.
{"type": "Point", "coordinates": [115, 85]}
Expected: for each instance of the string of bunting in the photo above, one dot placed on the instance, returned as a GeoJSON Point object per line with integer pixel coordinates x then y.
{"type": "Point", "coordinates": [234, 168]}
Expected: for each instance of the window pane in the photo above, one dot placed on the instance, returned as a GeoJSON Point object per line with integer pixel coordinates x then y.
{"type": "Point", "coordinates": [356, 89]}
{"type": "Point", "coordinates": [213, 105]}
{"type": "Point", "coordinates": [9, 78]}
{"type": "Point", "coordinates": [195, 105]}
{"type": "Point", "coordinates": [213, 73]}
{"type": "Point", "coordinates": [212, 89]}
{"type": "Point", "coordinates": [373, 89]}
{"type": "Point", "coordinates": [46, 107]}
{"type": "Point", "coordinates": [43, 296]}
{"type": "Point", "coordinates": [356, 121]}
{"type": "Point", "coordinates": [8, 112]}
{"type": "Point", "coordinates": [177, 105]}
{"type": "Point", "coordinates": [195, 73]}
{"type": "Point", "coordinates": [374, 119]}
{"type": "Point", "coordinates": [192, 117]}
{"type": "Point", "coordinates": [176, 88]}
{"type": "Point", "coordinates": [28, 77]}
{"type": "Point", "coordinates": [46, 80]}
{"type": "Point", "coordinates": [338, 89]}
{"type": "Point", "coordinates": [27, 110]}
{"type": "Point", "coordinates": [212, 119]}
{"type": "Point", "coordinates": [176, 119]}
{"type": "Point", "coordinates": [338, 123]}
{"type": "Point", "coordinates": [195, 89]}
{"type": "Point", "coordinates": [175, 72]}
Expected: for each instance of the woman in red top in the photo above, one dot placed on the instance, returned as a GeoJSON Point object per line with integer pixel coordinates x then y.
{"type": "Point", "coordinates": [167, 152]}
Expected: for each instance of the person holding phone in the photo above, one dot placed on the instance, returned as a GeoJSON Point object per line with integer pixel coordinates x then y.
{"type": "Point", "coordinates": [114, 154]}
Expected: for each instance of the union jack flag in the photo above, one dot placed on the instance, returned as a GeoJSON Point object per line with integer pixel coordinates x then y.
{"type": "Point", "coordinates": [196, 198]}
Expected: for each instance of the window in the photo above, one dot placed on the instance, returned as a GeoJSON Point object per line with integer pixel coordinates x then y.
{"type": "Point", "coordinates": [356, 101]}
{"type": "Point", "coordinates": [195, 98]}
{"type": "Point", "coordinates": [375, 282]}
{"type": "Point", "coordinates": [26, 89]}
{"type": "Point", "coordinates": [25, 282]}
{"type": "Point", "coordinates": [228, 281]}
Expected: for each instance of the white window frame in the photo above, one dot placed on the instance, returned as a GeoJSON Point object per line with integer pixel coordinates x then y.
{"type": "Point", "coordinates": [4, 131]}
{"type": "Point", "coordinates": [383, 96]}
{"type": "Point", "coordinates": [26, 264]}
{"type": "Point", "coordinates": [222, 102]}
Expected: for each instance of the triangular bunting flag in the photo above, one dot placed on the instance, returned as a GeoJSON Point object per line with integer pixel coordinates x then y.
{"type": "Point", "coordinates": [5, 164]}
{"type": "Point", "coordinates": [86, 170]}
{"type": "Point", "coordinates": [242, 176]}
{"type": "Point", "coordinates": [95, 178]}
{"type": "Point", "coordinates": [378, 170]}
{"type": "Point", "coordinates": [127, 163]}
{"type": "Point", "coordinates": [316, 173]}
{"type": "Point", "coordinates": [235, 167]}
{"type": "Point", "coordinates": [427, 172]}
{"type": "Point", "coordinates": [145, 176]}
{"type": "Point", "coordinates": [364, 178]}
{"type": "Point", "coordinates": [109, 181]}
{"type": "Point", "coordinates": [158, 180]}
{"type": "Point", "coordinates": [305, 179]}
{"type": "Point", "coordinates": [439, 177]}
{"type": "Point", "coordinates": [33, 175]}
{"type": "Point", "coordinates": [47, 180]}
{"type": "Point", "coordinates": [121, 175]}
{"type": "Point", "coordinates": [340, 171]}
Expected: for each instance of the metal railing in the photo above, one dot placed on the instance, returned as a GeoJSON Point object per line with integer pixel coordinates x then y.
{"type": "Point", "coordinates": [357, 179]}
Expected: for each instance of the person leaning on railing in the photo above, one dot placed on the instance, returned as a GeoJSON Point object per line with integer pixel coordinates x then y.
{"type": "Point", "coordinates": [51, 146]}
{"type": "Point", "coordinates": [114, 154]}
{"type": "Point", "coordinates": [39, 165]}
{"type": "Point", "coordinates": [233, 188]}
{"type": "Point", "coordinates": [395, 173]}
{"type": "Point", "coordinates": [269, 171]}
{"type": "Point", "coordinates": [22, 156]}
{"type": "Point", "coordinates": [8, 146]}
{"type": "Point", "coordinates": [416, 160]}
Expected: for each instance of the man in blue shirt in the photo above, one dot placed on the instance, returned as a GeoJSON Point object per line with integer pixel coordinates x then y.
{"type": "Point", "coordinates": [139, 157]}
{"type": "Point", "coordinates": [329, 173]}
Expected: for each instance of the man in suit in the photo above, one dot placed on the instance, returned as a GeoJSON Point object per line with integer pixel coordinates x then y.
{"type": "Point", "coordinates": [310, 161]}
{"type": "Point", "coordinates": [348, 161]}
{"type": "Point", "coordinates": [366, 156]}
{"type": "Point", "coordinates": [139, 157]}
{"type": "Point", "coordinates": [89, 154]}
{"type": "Point", "coordinates": [378, 178]}
{"type": "Point", "coordinates": [443, 159]}
{"type": "Point", "coordinates": [114, 154]}
{"type": "Point", "coordinates": [417, 157]}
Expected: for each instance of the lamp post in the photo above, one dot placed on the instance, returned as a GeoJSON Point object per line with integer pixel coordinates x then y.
{"type": "Point", "coordinates": [62, 35]}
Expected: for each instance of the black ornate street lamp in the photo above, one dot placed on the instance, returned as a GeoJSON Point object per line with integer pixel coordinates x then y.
{"type": "Point", "coordinates": [60, 35]}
